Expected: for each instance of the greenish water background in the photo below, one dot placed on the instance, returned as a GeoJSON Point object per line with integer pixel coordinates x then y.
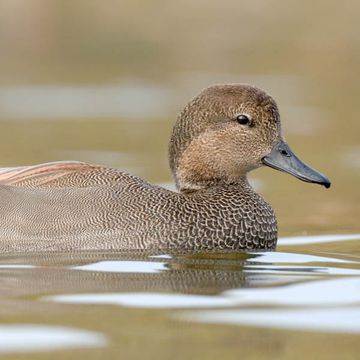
{"type": "Point", "coordinates": [103, 82]}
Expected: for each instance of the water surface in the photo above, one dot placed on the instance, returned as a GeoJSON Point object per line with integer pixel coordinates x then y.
{"type": "Point", "coordinates": [131, 304]}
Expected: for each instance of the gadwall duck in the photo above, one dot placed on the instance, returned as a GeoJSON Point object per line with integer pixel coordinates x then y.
{"type": "Point", "coordinates": [222, 134]}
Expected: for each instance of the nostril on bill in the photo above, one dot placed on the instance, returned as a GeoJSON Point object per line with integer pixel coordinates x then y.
{"type": "Point", "coordinates": [284, 152]}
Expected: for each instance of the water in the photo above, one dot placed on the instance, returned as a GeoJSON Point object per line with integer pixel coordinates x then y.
{"type": "Point", "coordinates": [87, 305]}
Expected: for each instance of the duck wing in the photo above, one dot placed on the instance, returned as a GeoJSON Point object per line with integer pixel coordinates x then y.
{"type": "Point", "coordinates": [77, 206]}
{"type": "Point", "coordinates": [54, 174]}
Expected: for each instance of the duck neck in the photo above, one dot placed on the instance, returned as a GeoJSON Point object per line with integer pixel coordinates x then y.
{"type": "Point", "coordinates": [214, 184]}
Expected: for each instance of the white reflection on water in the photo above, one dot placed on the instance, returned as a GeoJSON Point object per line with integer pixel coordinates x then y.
{"type": "Point", "coordinates": [304, 240]}
{"type": "Point", "coordinates": [314, 293]}
{"type": "Point", "coordinates": [268, 263]}
{"type": "Point", "coordinates": [265, 263]}
{"type": "Point", "coordinates": [33, 338]}
{"type": "Point", "coordinates": [283, 257]}
{"type": "Point", "coordinates": [338, 320]}
{"type": "Point", "coordinates": [123, 266]}
{"type": "Point", "coordinates": [300, 270]}
{"type": "Point", "coordinates": [145, 300]}
{"type": "Point", "coordinates": [308, 293]}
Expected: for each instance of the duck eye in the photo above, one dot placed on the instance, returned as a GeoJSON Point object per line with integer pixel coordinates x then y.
{"type": "Point", "coordinates": [243, 119]}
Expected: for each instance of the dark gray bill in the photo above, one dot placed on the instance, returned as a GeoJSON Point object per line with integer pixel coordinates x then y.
{"type": "Point", "coordinates": [283, 159]}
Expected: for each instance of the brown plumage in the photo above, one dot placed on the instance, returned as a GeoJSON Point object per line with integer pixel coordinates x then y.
{"type": "Point", "coordinates": [78, 206]}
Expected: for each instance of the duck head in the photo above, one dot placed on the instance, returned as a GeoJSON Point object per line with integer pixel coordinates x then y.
{"type": "Point", "coordinates": [227, 131]}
